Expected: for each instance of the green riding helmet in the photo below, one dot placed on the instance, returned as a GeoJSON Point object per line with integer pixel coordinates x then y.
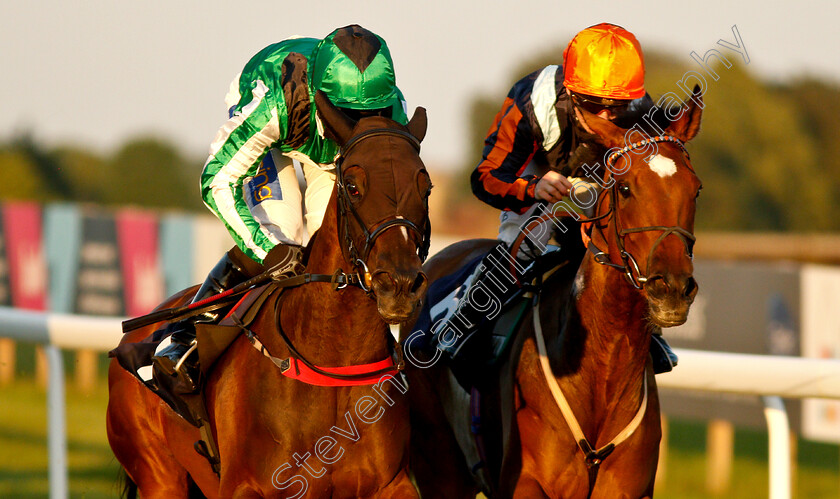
{"type": "Point", "coordinates": [353, 67]}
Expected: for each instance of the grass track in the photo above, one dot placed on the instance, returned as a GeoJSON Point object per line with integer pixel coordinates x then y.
{"type": "Point", "coordinates": [93, 469]}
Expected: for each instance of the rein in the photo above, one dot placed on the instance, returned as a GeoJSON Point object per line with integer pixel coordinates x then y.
{"type": "Point", "coordinates": [628, 265]}
{"type": "Point", "coordinates": [592, 456]}
{"type": "Point", "coordinates": [338, 279]}
{"type": "Point", "coordinates": [345, 376]}
{"type": "Point", "coordinates": [297, 366]}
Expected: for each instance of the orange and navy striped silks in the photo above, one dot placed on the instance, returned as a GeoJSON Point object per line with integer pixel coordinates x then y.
{"type": "Point", "coordinates": [508, 148]}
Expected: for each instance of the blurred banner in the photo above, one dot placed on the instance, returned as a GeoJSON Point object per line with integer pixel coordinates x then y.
{"type": "Point", "coordinates": [62, 238]}
{"type": "Point", "coordinates": [25, 255]}
{"type": "Point", "coordinates": [5, 289]}
{"type": "Point", "coordinates": [137, 234]}
{"type": "Point", "coordinates": [99, 282]}
{"type": "Point", "coordinates": [82, 259]}
{"type": "Point", "coordinates": [821, 340]}
{"type": "Point", "coordinates": [176, 245]}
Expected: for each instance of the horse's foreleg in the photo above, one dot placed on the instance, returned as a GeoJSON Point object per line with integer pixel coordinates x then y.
{"type": "Point", "coordinates": [137, 444]}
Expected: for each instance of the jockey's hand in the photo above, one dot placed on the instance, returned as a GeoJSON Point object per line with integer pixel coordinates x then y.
{"type": "Point", "coordinates": [552, 187]}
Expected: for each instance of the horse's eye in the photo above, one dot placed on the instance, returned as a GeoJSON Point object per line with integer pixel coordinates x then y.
{"type": "Point", "coordinates": [698, 192]}
{"type": "Point", "coordinates": [624, 189]}
{"type": "Point", "coordinates": [353, 190]}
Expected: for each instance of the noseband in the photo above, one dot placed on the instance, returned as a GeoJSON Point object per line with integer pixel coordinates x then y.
{"type": "Point", "coordinates": [345, 206]}
{"type": "Point", "coordinates": [629, 266]}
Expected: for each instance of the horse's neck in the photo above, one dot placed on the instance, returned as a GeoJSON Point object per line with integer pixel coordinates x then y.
{"type": "Point", "coordinates": [334, 326]}
{"type": "Point", "coordinates": [615, 333]}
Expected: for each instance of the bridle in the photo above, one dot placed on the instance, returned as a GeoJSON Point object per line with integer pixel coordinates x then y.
{"type": "Point", "coordinates": [628, 265]}
{"type": "Point", "coordinates": [358, 259]}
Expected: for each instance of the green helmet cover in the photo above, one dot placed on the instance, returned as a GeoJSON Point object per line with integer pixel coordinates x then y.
{"type": "Point", "coordinates": [353, 67]}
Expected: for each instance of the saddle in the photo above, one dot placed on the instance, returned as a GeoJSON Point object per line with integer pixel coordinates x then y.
{"type": "Point", "coordinates": [213, 340]}
{"type": "Point", "coordinates": [459, 319]}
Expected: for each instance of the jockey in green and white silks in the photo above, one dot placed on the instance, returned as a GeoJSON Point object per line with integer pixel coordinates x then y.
{"type": "Point", "coordinates": [249, 180]}
{"type": "Point", "coordinates": [273, 120]}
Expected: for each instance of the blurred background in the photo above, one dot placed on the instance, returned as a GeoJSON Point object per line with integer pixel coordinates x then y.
{"type": "Point", "coordinates": [109, 108]}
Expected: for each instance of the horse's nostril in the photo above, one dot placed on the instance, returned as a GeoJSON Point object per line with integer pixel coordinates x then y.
{"type": "Point", "coordinates": [419, 282]}
{"type": "Point", "coordinates": [690, 286]}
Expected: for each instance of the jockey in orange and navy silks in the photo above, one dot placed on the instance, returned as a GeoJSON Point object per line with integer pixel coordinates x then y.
{"type": "Point", "coordinates": [603, 70]}
{"type": "Point", "coordinates": [526, 150]}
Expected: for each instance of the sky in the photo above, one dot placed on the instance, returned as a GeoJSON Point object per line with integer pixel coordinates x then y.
{"type": "Point", "coordinates": [94, 73]}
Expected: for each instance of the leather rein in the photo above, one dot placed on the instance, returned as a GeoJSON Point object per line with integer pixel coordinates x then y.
{"type": "Point", "coordinates": [592, 456]}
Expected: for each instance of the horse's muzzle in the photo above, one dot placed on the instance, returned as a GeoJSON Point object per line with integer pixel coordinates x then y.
{"type": "Point", "coordinates": [398, 293]}
{"type": "Point", "coordinates": [669, 298]}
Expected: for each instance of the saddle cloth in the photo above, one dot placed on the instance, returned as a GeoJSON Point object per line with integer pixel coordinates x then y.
{"type": "Point", "coordinates": [448, 296]}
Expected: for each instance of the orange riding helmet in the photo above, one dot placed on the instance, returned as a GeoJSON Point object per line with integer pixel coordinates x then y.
{"type": "Point", "coordinates": [605, 61]}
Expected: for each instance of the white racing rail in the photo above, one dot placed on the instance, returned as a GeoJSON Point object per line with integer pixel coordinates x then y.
{"type": "Point", "coordinates": [57, 331]}
{"type": "Point", "coordinates": [771, 377]}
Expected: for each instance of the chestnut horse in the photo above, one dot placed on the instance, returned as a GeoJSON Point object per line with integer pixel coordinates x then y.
{"type": "Point", "coordinates": [281, 437]}
{"type": "Point", "coordinates": [576, 405]}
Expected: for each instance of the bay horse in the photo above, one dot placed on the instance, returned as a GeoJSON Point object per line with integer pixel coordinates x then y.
{"type": "Point", "coordinates": [280, 437]}
{"type": "Point", "coordinates": [573, 411]}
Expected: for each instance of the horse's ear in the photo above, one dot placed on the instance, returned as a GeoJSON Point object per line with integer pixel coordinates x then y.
{"type": "Point", "coordinates": [687, 126]}
{"type": "Point", "coordinates": [605, 132]}
{"type": "Point", "coordinates": [418, 123]}
{"type": "Point", "coordinates": [337, 126]}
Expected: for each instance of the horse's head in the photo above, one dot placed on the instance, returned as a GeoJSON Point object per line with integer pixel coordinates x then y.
{"type": "Point", "coordinates": [648, 210]}
{"type": "Point", "coordinates": [382, 190]}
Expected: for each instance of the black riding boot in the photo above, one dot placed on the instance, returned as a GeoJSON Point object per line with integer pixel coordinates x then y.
{"type": "Point", "coordinates": [178, 357]}
{"type": "Point", "coordinates": [664, 359]}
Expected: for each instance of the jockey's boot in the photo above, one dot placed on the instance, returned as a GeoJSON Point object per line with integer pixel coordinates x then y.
{"type": "Point", "coordinates": [664, 359]}
{"type": "Point", "coordinates": [176, 355]}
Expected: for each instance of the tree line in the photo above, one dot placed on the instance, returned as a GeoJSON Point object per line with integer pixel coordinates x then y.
{"type": "Point", "coordinates": [145, 171]}
{"type": "Point", "coordinates": [768, 155]}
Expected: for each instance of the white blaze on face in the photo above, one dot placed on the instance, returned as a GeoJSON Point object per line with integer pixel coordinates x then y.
{"type": "Point", "coordinates": [403, 229]}
{"type": "Point", "coordinates": [662, 166]}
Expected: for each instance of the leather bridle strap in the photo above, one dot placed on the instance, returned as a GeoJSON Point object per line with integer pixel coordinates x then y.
{"type": "Point", "coordinates": [345, 206]}
{"type": "Point", "coordinates": [629, 265]}
{"type": "Point", "coordinates": [377, 132]}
